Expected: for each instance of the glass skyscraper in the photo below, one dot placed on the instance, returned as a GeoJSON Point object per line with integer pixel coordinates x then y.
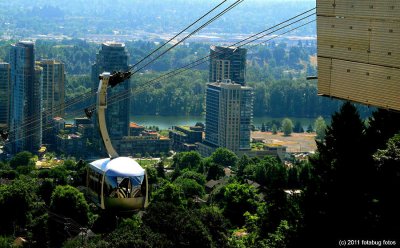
{"type": "Point", "coordinates": [227, 63]}
{"type": "Point", "coordinates": [53, 95]}
{"type": "Point", "coordinates": [229, 103]}
{"type": "Point", "coordinates": [114, 57]}
{"type": "Point", "coordinates": [53, 88]}
{"type": "Point", "coordinates": [229, 112]}
{"type": "Point", "coordinates": [4, 94]}
{"type": "Point", "coordinates": [26, 99]}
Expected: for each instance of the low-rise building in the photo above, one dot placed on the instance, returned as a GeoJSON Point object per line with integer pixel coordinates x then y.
{"type": "Point", "coordinates": [135, 129]}
{"type": "Point", "coordinates": [71, 144]}
{"type": "Point", "coordinates": [183, 138]}
{"type": "Point", "coordinates": [145, 144]}
{"type": "Point", "coordinates": [51, 130]}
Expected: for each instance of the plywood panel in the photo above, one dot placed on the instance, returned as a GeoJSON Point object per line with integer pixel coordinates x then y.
{"type": "Point", "coordinates": [385, 39]}
{"type": "Point", "coordinates": [355, 8]}
{"type": "Point", "coordinates": [344, 38]}
{"type": "Point", "coordinates": [368, 84]}
{"type": "Point", "coordinates": [362, 39]}
{"type": "Point", "coordinates": [325, 7]}
{"type": "Point", "coordinates": [324, 75]}
{"type": "Point", "coordinates": [386, 9]}
{"type": "Point", "coordinates": [378, 9]}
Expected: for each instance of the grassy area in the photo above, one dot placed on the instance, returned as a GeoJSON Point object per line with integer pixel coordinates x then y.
{"type": "Point", "coordinates": [146, 162]}
{"type": "Point", "coordinates": [296, 142]}
{"type": "Point", "coordinates": [164, 133]}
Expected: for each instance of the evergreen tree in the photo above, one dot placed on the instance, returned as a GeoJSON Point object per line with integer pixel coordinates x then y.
{"type": "Point", "coordinates": [160, 170]}
{"type": "Point", "coordinates": [274, 129]}
{"type": "Point", "coordinates": [388, 163]}
{"type": "Point", "coordinates": [298, 128]}
{"type": "Point", "coordinates": [335, 200]}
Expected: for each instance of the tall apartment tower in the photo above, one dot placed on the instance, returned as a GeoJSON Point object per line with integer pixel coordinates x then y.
{"type": "Point", "coordinates": [26, 99]}
{"type": "Point", "coordinates": [53, 96]}
{"type": "Point", "coordinates": [4, 94]}
{"type": "Point", "coordinates": [229, 109]}
{"type": "Point", "coordinates": [53, 88]}
{"type": "Point", "coordinates": [227, 63]}
{"type": "Point", "coordinates": [114, 57]}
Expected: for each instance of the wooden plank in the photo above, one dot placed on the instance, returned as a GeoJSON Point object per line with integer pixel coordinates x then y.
{"type": "Point", "coordinates": [364, 83]}
{"type": "Point", "coordinates": [385, 37]}
{"type": "Point", "coordinates": [381, 9]}
{"type": "Point", "coordinates": [324, 75]}
{"type": "Point", "coordinates": [325, 7]}
{"type": "Point", "coordinates": [344, 38]}
{"type": "Point", "coordinates": [354, 8]}
{"type": "Point", "coordinates": [386, 9]}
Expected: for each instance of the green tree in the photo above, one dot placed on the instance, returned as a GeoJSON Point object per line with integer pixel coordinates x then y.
{"type": "Point", "coordinates": [335, 198]}
{"type": "Point", "coordinates": [46, 189]}
{"type": "Point", "coordinates": [151, 175]}
{"type": "Point", "coordinates": [243, 162]}
{"type": "Point", "coordinates": [271, 173]}
{"type": "Point", "coordinates": [213, 219]}
{"type": "Point", "coordinates": [388, 163]}
{"type": "Point", "coordinates": [263, 127]}
{"type": "Point", "coordinates": [382, 125]}
{"type": "Point", "coordinates": [169, 192]}
{"type": "Point", "coordinates": [69, 211]}
{"type": "Point", "coordinates": [190, 187]}
{"type": "Point", "coordinates": [320, 127]}
{"type": "Point", "coordinates": [310, 128]}
{"type": "Point", "coordinates": [69, 202]}
{"type": "Point", "coordinates": [287, 127]}
{"type": "Point", "coordinates": [238, 199]}
{"type": "Point", "coordinates": [160, 169]}
{"type": "Point", "coordinates": [214, 171]}
{"type": "Point", "coordinates": [274, 129]}
{"type": "Point", "coordinates": [21, 159]}
{"type": "Point", "coordinates": [182, 227]}
{"type": "Point", "coordinates": [16, 203]}
{"type": "Point", "coordinates": [298, 127]}
{"type": "Point", "coordinates": [6, 242]}
{"type": "Point", "coordinates": [224, 157]}
{"type": "Point", "coordinates": [199, 178]}
{"type": "Point", "coordinates": [190, 160]}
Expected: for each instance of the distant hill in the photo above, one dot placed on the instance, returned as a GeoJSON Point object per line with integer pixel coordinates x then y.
{"type": "Point", "coordinates": [77, 17]}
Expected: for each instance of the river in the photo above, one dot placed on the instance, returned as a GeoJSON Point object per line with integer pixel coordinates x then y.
{"type": "Point", "coordinates": [166, 122]}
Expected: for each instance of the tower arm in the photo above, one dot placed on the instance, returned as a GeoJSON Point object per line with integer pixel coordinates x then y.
{"type": "Point", "coordinates": [101, 118]}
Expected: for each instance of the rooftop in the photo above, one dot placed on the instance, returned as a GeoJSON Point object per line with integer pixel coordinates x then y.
{"type": "Point", "coordinates": [113, 44]}
{"type": "Point", "coordinates": [134, 125]}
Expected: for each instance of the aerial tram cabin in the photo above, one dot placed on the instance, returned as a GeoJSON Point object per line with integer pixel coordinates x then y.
{"type": "Point", "coordinates": [115, 183]}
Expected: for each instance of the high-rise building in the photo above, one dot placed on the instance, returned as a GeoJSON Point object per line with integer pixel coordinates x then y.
{"type": "Point", "coordinates": [26, 99]}
{"type": "Point", "coordinates": [114, 57]}
{"type": "Point", "coordinates": [4, 94]}
{"type": "Point", "coordinates": [34, 129]}
{"type": "Point", "coordinates": [53, 88]}
{"type": "Point", "coordinates": [227, 63]}
{"type": "Point", "coordinates": [53, 95]}
{"type": "Point", "coordinates": [229, 110]}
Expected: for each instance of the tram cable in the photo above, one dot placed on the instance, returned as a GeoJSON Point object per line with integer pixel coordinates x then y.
{"type": "Point", "coordinates": [32, 119]}
{"type": "Point", "coordinates": [142, 88]}
{"type": "Point", "coordinates": [202, 60]}
{"type": "Point", "coordinates": [127, 94]}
